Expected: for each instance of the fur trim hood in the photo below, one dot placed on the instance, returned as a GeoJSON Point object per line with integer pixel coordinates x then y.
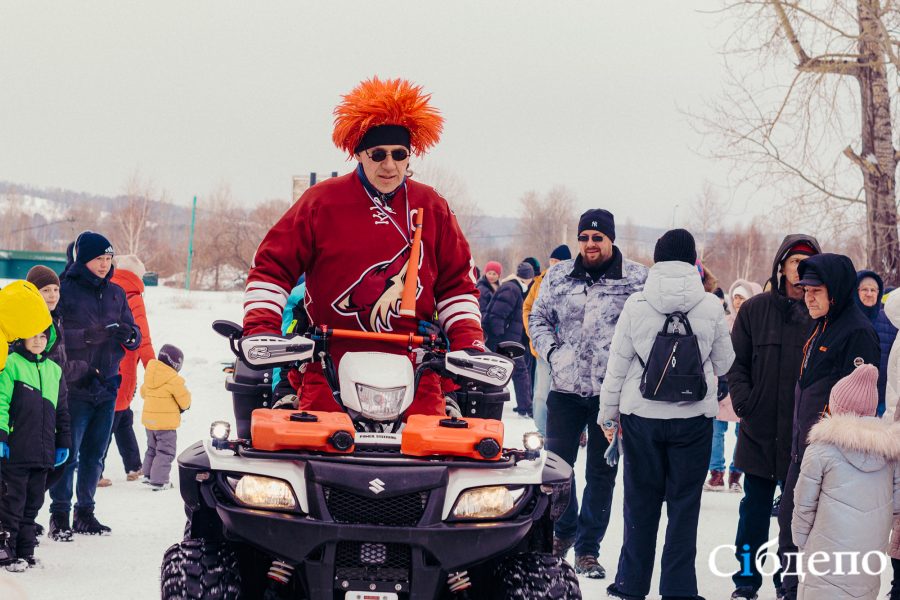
{"type": "Point", "coordinates": [866, 442]}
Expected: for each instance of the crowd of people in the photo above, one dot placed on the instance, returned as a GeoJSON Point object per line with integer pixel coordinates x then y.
{"type": "Point", "coordinates": [73, 342]}
{"type": "Point", "coordinates": [802, 366]}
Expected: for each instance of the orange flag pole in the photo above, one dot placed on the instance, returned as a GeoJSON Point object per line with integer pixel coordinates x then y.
{"type": "Point", "coordinates": [408, 300]}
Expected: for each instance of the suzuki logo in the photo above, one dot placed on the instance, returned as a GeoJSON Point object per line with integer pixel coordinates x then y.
{"type": "Point", "coordinates": [376, 485]}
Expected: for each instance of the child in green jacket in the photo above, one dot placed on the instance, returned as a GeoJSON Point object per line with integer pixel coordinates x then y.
{"type": "Point", "coordinates": [34, 436]}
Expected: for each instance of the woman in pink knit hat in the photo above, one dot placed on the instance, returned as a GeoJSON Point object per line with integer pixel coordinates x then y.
{"type": "Point", "coordinates": [488, 284]}
{"type": "Point", "coordinates": [847, 494]}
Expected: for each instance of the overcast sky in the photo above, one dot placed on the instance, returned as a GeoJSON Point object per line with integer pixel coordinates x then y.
{"type": "Point", "coordinates": [194, 94]}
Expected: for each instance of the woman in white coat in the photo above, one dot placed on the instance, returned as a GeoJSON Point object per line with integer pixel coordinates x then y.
{"type": "Point", "coordinates": [666, 445]}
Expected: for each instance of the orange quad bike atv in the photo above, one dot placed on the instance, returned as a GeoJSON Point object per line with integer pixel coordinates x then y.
{"type": "Point", "coordinates": [368, 504]}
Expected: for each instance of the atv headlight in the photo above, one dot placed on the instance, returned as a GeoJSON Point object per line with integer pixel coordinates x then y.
{"type": "Point", "coordinates": [263, 492]}
{"type": "Point", "coordinates": [380, 404]}
{"type": "Point", "coordinates": [492, 502]}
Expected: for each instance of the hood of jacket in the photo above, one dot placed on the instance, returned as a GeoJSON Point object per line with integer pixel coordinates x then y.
{"type": "Point", "coordinates": [128, 281]}
{"type": "Point", "coordinates": [23, 313]}
{"type": "Point", "coordinates": [786, 244]}
{"type": "Point", "coordinates": [837, 273]}
{"type": "Point", "coordinates": [870, 311]}
{"type": "Point", "coordinates": [673, 286]}
{"type": "Point", "coordinates": [752, 287]}
{"type": "Point", "coordinates": [158, 374]}
{"type": "Point", "coordinates": [892, 309]}
{"type": "Point", "coordinates": [866, 442]}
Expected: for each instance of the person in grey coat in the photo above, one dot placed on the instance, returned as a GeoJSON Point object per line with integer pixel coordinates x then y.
{"type": "Point", "coordinates": [571, 326]}
{"type": "Point", "coordinates": [665, 444]}
{"type": "Point", "coordinates": [848, 492]}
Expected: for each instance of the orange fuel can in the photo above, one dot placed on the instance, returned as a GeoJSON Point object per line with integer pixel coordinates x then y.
{"type": "Point", "coordinates": [434, 435]}
{"type": "Point", "coordinates": [278, 429]}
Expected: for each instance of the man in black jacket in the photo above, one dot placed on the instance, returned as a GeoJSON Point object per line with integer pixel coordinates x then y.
{"type": "Point", "coordinates": [842, 340]}
{"type": "Point", "coordinates": [502, 322]}
{"type": "Point", "coordinates": [768, 337]}
{"type": "Point", "coordinates": [99, 328]}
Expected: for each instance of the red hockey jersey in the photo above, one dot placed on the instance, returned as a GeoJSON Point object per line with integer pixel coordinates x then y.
{"type": "Point", "coordinates": [354, 251]}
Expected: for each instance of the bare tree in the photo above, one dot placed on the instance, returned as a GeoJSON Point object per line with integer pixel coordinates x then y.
{"type": "Point", "coordinates": [707, 212]}
{"type": "Point", "coordinates": [452, 187]}
{"type": "Point", "coordinates": [546, 221]}
{"type": "Point", "coordinates": [132, 216]}
{"type": "Point", "coordinates": [794, 131]}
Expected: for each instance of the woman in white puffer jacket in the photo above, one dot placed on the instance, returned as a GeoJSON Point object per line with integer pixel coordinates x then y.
{"type": "Point", "coordinates": [666, 445]}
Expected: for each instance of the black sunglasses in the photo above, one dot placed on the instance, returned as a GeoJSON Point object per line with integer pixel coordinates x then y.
{"type": "Point", "coordinates": [379, 154]}
{"type": "Point", "coordinates": [596, 238]}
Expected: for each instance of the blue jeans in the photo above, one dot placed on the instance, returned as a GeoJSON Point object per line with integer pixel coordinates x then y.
{"type": "Point", "coordinates": [567, 416]}
{"type": "Point", "coordinates": [717, 455]}
{"type": "Point", "coordinates": [541, 391]}
{"type": "Point", "coordinates": [92, 420]}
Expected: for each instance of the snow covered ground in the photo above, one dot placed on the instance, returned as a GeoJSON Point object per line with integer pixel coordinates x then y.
{"type": "Point", "coordinates": [145, 523]}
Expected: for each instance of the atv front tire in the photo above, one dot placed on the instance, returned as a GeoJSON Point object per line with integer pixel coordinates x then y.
{"type": "Point", "coordinates": [534, 576]}
{"type": "Point", "coordinates": [197, 569]}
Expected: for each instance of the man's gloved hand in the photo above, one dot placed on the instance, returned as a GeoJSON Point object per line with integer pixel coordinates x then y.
{"type": "Point", "coordinates": [4, 450]}
{"type": "Point", "coordinates": [427, 328]}
{"type": "Point", "coordinates": [98, 334]}
{"type": "Point", "coordinates": [61, 456]}
{"type": "Point", "coordinates": [289, 402]}
{"type": "Point", "coordinates": [123, 333]}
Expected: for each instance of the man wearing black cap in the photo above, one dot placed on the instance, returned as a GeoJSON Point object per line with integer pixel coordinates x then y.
{"type": "Point", "coordinates": [571, 325]}
{"type": "Point", "coordinates": [99, 328]}
{"type": "Point", "coordinates": [842, 340]}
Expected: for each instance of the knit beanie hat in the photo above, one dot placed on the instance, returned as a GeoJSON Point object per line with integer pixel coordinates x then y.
{"type": "Point", "coordinates": [599, 219]}
{"type": "Point", "coordinates": [742, 292]}
{"type": "Point", "coordinates": [801, 247]}
{"type": "Point", "coordinates": [535, 264]}
{"type": "Point", "coordinates": [90, 245]}
{"type": "Point", "coordinates": [857, 393]}
{"type": "Point", "coordinates": [493, 265]}
{"type": "Point", "coordinates": [676, 244]}
{"type": "Point", "coordinates": [525, 271]}
{"type": "Point", "coordinates": [561, 253]}
{"type": "Point", "coordinates": [130, 262]}
{"type": "Point", "coordinates": [42, 276]}
{"type": "Point", "coordinates": [171, 356]}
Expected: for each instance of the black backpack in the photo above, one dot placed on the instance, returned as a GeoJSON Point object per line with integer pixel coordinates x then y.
{"type": "Point", "coordinates": [674, 369]}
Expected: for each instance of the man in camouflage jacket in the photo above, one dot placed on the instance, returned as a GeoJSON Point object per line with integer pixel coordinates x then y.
{"type": "Point", "coordinates": [571, 326]}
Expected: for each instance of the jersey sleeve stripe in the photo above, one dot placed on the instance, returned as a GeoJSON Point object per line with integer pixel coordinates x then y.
{"type": "Point", "coordinates": [452, 299]}
{"type": "Point", "coordinates": [265, 285]}
{"type": "Point", "coordinates": [264, 306]}
{"type": "Point", "coordinates": [277, 298]}
{"type": "Point", "coordinates": [461, 317]}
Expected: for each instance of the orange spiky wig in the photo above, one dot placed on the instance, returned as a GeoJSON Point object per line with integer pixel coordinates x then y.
{"type": "Point", "coordinates": [393, 102]}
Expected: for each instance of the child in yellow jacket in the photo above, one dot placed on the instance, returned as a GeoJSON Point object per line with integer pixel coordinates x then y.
{"type": "Point", "coordinates": [165, 398]}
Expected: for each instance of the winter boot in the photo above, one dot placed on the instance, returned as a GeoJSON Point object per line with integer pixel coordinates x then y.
{"type": "Point", "coordinates": [104, 482]}
{"type": "Point", "coordinates": [134, 475]}
{"type": "Point", "coordinates": [744, 593]}
{"type": "Point", "coordinates": [694, 597]}
{"type": "Point", "coordinates": [613, 592]}
{"type": "Point", "coordinates": [59, 528]}
{"type": "Point", "coordinates": [587, 565]}
{"type": "Point", "coordinates": [86, 523]}
{"type": "Point", "coordinates": [158, 487]}
{"type": "Point", "coordinates": [15, 565]}
{"type": "Point", "coordinates": [734, 482]}
{"type": "Point", "coordinates": [561, 546]}
{"type": "Point", "coordinates": [716, 482]}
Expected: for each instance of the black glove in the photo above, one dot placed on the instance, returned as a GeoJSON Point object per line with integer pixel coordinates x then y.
{"type": "Point", "coordinates": [98, 334]}
{"type": "Point", "coordinates": [123, 333]}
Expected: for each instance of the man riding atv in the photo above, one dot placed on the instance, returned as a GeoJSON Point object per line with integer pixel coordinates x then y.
{"type": "Point", "coordinates": [353, 236]}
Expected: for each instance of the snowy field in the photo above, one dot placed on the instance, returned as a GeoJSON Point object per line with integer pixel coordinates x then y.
{"type": "Point", "coordinates": [125, 565]}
